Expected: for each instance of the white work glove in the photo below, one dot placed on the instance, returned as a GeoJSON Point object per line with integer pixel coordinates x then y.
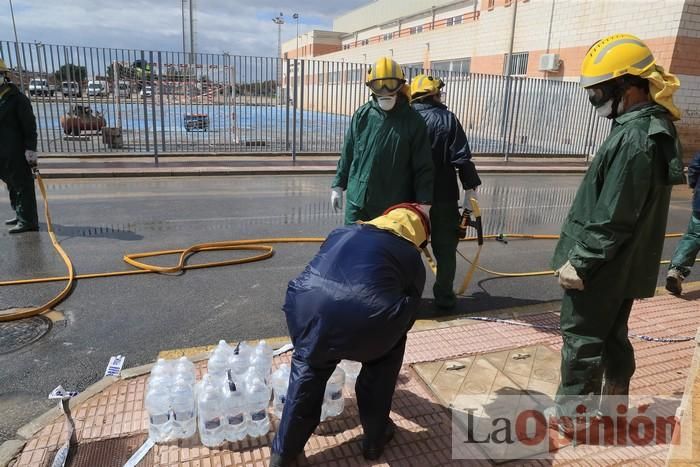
{"type": "Point", "coordinates": [32, 157]}
{"type": "Point", "coordinates": [337, 198]}
{"type": "Point", "coordinates": [568, 277]}
{"type": "Point", "coordinates": [469, 194]}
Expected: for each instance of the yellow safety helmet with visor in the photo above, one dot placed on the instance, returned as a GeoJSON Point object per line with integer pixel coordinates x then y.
{"type": "Point", "coordinates": [385, 77]}
{"type": "Point", "coordinates": [424, 85]}
{"type": "Point", "coordinates": [615, 56]}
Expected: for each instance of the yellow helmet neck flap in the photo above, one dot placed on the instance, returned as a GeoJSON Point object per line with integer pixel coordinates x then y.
{"type": "Point", "coordinates": [406, 222]}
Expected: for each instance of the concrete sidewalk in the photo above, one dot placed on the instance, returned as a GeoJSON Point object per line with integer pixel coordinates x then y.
{"type": "Point", "coordinates": [445, 361]}
{"type": "Point", "coordinates": [94, 166]}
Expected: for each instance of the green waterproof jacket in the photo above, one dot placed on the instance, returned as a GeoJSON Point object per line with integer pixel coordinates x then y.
{"type": "Point", "coordinates": [614, 232]}
{"type": "Point", "coordinates": [17, 131]}
{"type": "Point", "coordinates": [386, 158]}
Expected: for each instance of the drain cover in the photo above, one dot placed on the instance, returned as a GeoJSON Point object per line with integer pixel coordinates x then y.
{"type": "Point", "coordinates": [16, 334]}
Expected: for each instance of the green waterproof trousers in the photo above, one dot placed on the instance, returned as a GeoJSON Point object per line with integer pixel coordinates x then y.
{"type": "Point", "coordinates": [23, 197]}
{"type": "Point", "coordinates": [595, 346]}
{"type": "Point", "coordinates": [444, 223]}
{"type": "Point", "coordinates": [688, 248]}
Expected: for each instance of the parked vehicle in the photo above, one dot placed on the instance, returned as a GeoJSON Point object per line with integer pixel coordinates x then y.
{"type": "Point", "coordinates": [80, 118]}
{"type": "Point", "coordinates": [124, 89]}
{"type": "Point", "coordinates": [196, 122]}
{"type": "Point", "coordinates": [71, 88]}
{"type": "Point", "coordinates": [41, 87]}
{"type": "Point", "coordinates": [146, 91]}
{"type": "Point", "coordinates": [97, 89]}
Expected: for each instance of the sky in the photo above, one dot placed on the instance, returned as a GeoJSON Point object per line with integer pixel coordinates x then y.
{"type": "Point", "coordinates": [235, 26]}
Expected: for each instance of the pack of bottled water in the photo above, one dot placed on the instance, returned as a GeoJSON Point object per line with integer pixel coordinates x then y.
{"type": "Point", "coordinates": [234, 396]}
{"type": "Point", "coordinates": [170, 400]}
{"type": "Point", "coordinates": [232, 399]}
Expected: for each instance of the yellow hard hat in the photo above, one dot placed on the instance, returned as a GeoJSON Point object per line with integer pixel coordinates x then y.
{"type": "Point", "coordinates": [407, 220]}
{"type": "Point", "coordinates": [424, 85]}
{"type": "Point", "coordinates": [3, 67]}
{"type": "Point", "coordinates": [614, 56]}
{"type": "Point", "coordinates": [385, 77]}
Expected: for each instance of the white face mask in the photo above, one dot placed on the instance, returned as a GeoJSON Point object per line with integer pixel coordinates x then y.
{"type": "Point", "coordinates": [386, 103]}
{"type": "Point", "coordinates": [605, 110]}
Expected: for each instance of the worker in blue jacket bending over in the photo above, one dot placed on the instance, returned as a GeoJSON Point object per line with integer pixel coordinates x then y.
{"type": "Point", "coordinates": [356, 300]}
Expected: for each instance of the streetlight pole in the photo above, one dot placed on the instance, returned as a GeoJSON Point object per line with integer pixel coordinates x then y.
{"type": "Point", "coordinates": [19, 62]}
{"type": "Point", "coordinates": [279, 21]}
{"type": "Point", "coordinates": [296, 17]}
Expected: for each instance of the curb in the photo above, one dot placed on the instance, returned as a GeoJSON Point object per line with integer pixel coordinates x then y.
{"type": "Point", "coordinates": [9, 450]}
{"type": "Point", "coordinates": [284, 170]}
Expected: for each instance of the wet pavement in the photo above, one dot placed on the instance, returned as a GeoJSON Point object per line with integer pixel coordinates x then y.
{"type": "Point", "coordinates": [99, 221]}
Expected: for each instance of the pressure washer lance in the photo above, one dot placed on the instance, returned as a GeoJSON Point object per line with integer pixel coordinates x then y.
{"type": "Point", "coordinates": [471, 218]}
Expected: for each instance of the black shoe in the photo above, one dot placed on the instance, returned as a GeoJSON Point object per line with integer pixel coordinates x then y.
{"type": "Point", "coordinates": [277, 460]}
{"type": "Point", "coordinates": [11, 221]}
{"type": "Point", "coordinates": [21, 228]}
{"type": "Point", "coordinates": [372, 450]}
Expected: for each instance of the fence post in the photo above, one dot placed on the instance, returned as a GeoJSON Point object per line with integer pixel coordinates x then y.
{"type": "Point", "coordinates": [162, 110]}
{"type": "Point", "coordinates": [286, 98]}
{"type": "Point", "coordinates": [294, 117]}
{"type": "Point", "coordinates": [153, 105]}
{"type": "Point", "coordinates": [145, 104]}
{"type": "Point", "coordinates": [504, 117]}
{"type": "Point", "coordinates": [301, 108]}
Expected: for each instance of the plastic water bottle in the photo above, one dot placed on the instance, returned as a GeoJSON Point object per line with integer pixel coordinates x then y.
{"type": "Point", "coordinates": [210, 407]}
{"type": "Point", "coordinates": [261, 359]}
{"type": "Point", "coordinates": [182, 404]}
{"type": "Point", "coordinates": [238, 363]}
{"type": "Point", "coordinates": [184, 370]}
{"type": "Point", "coordinates": [280, 384]}
{"type": "Point", "coordinates": [158, 408]}
{"type": "Point", "coordinates": [258, 395]}
{"type": "Point", "coordinates": [352, 371]}
{"type": "Point", "coordinates": [218, 364]}
{"type": "Point", "coordinates": [234, 411]}
{"type": "Point", "coordinates": [333, 398]}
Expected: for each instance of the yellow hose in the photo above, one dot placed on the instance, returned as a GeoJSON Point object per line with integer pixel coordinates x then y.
{"type": "Point", "coordinates": [245, 245]}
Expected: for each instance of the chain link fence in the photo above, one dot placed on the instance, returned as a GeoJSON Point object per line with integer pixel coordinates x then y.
{"type": "Point", "coordinates": [104, 101]}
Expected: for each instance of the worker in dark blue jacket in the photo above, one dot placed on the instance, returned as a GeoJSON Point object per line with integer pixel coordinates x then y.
{"type": "Point", "coordinates": [689, 246]}
{"type": "Point", "coordinates": [450, 151]}
{"type": "Point", "coordinates": [356, 300]}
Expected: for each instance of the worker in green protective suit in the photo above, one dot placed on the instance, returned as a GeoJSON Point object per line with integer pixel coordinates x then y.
{"type": "Point", "coordinates": [450, 151]}
{"type": "Point", "coordinates": [18, 155]}
{"type": "Point", "coordinates": [611, 242]}
{"type": "Point", "coordinates": [689, 245]}
{"type": "Point", "coordinates": [386, 158]}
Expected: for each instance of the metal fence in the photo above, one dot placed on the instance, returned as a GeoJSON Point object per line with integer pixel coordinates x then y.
{"type": "Point", "coordinates": [97, 100]}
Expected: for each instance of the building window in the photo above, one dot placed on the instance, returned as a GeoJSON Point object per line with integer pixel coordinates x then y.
{"type": "Point", "coordinates": [388, 36]}
{"type": "Point", "coordinates": [453, 20]}
{"type": "Point", "coordinates": [459, 65]}
{"type": "Point", "coordinates": [518, 63]}
{"type": "Point", "coordinates": [416, 29]}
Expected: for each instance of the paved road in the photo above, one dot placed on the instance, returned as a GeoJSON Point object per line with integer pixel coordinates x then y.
{"type": "Point", "coordinates": [99, 220]}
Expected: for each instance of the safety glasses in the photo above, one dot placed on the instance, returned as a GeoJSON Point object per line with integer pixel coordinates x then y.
{"type": "Point", "coordinates": [599, 95]}
{"type": "Point", "coordinates": [385, 87]}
